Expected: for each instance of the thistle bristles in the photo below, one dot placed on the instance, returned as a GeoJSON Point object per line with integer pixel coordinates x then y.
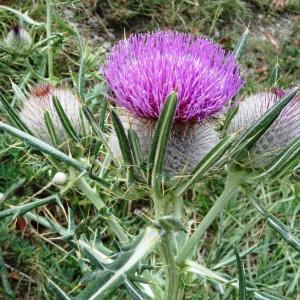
{"type": "Point", "coordinates": [284, 130]}
{"type": "Point", "coordinates": [41, 100]}
{"type": "Point", "coordinates": [188, 143]}
{"type": "Point", "coordinates": [18, 40]}
{"type": "Point", "coordinates": [145, 68]}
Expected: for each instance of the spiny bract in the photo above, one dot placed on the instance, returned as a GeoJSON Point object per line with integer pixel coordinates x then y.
{"type": "Point", "coordinates": [187, 145]}
{"type": "Point", "coordinates": [41, 100]}
{"type": "Point", "coordinates": [284, 130]}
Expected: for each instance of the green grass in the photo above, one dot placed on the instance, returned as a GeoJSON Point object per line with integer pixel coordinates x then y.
{"type": "Point", "coordinates": [32, 255]}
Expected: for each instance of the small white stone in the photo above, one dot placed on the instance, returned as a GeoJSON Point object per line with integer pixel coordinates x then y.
{"type": "Point", "coordinates": [2, 196]}
{"type": "Point", "coordinates": [59, 178]}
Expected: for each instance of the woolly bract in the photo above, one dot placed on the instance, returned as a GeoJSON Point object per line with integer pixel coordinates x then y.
{"type": "Point", "coordinates": [284, 130]}
{"type": "Point", "coordinates": [187, 145]}
{"type": "Point", "coordinates": [34, 108]}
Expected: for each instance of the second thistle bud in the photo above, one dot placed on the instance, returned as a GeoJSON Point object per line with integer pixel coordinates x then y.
{"type": "Point", "coordinates": [18, 40]}
{"type": "Point", "coordinates": [40, 101]}
{"type": "Point", "coordinates": [284, 130]}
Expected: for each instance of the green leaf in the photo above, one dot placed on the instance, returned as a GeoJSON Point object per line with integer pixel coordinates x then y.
{"type": "Point", "coordinates": [134, 291]}
{"type": "Point", "coordinates": [22, 209]}
{"type": "Point", "coordinates": [22, 16]}
{"type": "Point", "coordinates": [286, 160]}
{"type": "Point", "coordinates": [91, 119]}
{"type": "Point", "coordinates": [43, 147]}
{"type": "Point", "coordinates": [240, 47]}
{"type": "Point", "coordinates": [275, 75]}
{"type": "Point", "coordinates": [242, 281]}
{"type": "Point", "coordinates": [207, 162]}
{"type": "Point", "coordinates": [92, 251]}
{"type": "Point", "coordinates": [14, 116]}
{"type": "Point", "coordinates": [160, 139]}
{"type": "Point", "coordinates": [103, 109]}
{"type": "Point", "coordinates": [60, 294]}
{"type": "Point", "coordinates": [50, 128]}
{"type": "Point", "coordinates": [136, 151]}
{"type": "Point", "coordinates": [124, 144]}
{"type": "Point", "coordinates": [68, 127]}
{"type": "Point", "coordinates": [125, 264]}
{"type": "Point", "coordinates": [250, 136]}
{"type": "Point", "coordinates": [278, 226]}
{"type": "Point", "coordinates": [229, 117]}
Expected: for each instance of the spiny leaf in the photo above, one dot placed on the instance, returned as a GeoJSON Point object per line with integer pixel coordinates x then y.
{"type": "Point", "coordinates": [278, 226]}
{"type": "Point", "coordinates": [22, 16]}
{"type": "Point", "coordinates": [160, 139]}
{"type": "Point", "coordinates": [68, 127]}
{"type": "Point", "coordinates": [250, 136]}
{"type": "Point", "coordinates": [207, 162]}
{"type": "Point", "coordinates": [126, 264]}
{"type": "Point", "coordinates": [50, 128]}
{"type": "Point", "coordinates": [43, 147]}
{"type": "Point", "coordinates": [124, 144]}
{"type": "Point", "coordinates": [22, 209]}
{"type": "Point", "coordinates": [60, 294]}
{"type": "Point", "coordinates": [283, 162]}
{"type": "Point", "coordinates": [14, 116]}
{"type": "Point", "coordinates": [240, 47]}
{"type": "Point", "coordinates": [242, 281]}
{"type": "Point", "coordinates": [91, 119]}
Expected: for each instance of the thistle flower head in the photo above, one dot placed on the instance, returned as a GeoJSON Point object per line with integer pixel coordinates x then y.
{"type": "Point", "coordinates": [34, 108]}
{"type": "Point", "coordinates": [18, 39]}
{"type": "Point", "coordinates": [187, 145]}
{"type": "Point", "coordinates": [284, 130]}
{"type": "Point", "coordinates": [144, 69]}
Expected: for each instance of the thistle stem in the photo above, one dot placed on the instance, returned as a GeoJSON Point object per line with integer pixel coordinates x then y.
{"type": "Point", "coordinates": [230, 191]}
{"type": "Point", "coordinates": [49, 33]}
{"type": "Point", "coordinates": [172, 271]}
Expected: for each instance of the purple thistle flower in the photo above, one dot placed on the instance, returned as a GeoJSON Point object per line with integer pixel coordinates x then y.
{"type": "Point", "coordinates": [144, 69]}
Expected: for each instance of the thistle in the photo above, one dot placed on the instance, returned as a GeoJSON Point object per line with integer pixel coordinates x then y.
{"type": "Point", "coordinates": [281, 133]}
{"type": "Point", "coordinates": [143, 70]}
{"type": "Point", "coordinates": [187, 145]}
{"type": "Point", "coordinates": [18, 40]}
{"type": "Point", "coordinates": [41, 101]}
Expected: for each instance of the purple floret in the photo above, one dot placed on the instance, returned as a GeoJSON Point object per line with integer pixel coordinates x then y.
{"type": "Point", "coordinates": [145, 68]}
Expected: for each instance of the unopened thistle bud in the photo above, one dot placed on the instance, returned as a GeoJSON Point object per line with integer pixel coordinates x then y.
{"type": "Point", "coordinates": [284, 130]}
{"type": "Point", "coordinates": [41, 100]}
{"type": "Point", "coordinates": [18, 40]}
{"type": "Point", "coordinates": [144, 69]}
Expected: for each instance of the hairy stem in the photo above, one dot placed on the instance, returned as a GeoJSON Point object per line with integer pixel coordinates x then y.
{"type": "Point", "coordinates": [230, 191]}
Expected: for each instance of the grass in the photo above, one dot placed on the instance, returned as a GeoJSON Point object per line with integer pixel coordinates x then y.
{"type": "Point", "coordinates": [32, 254]}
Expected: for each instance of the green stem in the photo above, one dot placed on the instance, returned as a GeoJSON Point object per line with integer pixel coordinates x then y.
{"type": "Point", "coordinates": [5, 282]}
{"type": "Point", "coordinates": [49, 33]}
{"type": "Point", "coordinates": [171, 268]}
{"type": "Point", "coordinates": [230, 192]}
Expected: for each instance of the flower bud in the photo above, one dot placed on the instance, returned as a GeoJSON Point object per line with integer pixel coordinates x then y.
{"type": "Point", "coordinates": [188, 143]}
{"type": "Point", "coordinates": [284, 130]}
{"type": "Point", "coordinates": [40, 101]}
{"type": "Point", "coordinates": [60, 178]}
{"type": "Point", "coordinates": [18, 40]}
